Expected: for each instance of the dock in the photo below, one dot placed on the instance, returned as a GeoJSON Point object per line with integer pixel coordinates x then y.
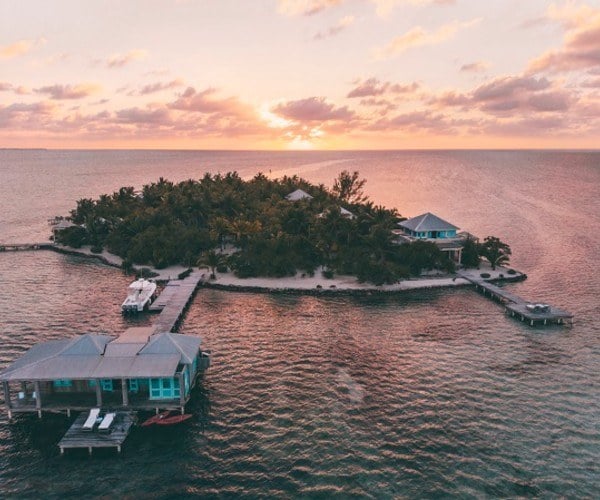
{"type": "Point", "coordinates": [532, 313]}
{"type": "Point", "coordinates": [174, 301]}
{"type": "Point", "coordinates": [15, 247]}
{"type": "Point", "coordinates": [76, 437]}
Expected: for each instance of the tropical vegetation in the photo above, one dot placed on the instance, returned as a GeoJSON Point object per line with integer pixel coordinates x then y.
{"type": "Point", "coordinates": [250, 227]}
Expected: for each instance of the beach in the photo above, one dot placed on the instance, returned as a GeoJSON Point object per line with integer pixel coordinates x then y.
{"type": "Point", "coordinates": [302, 282]}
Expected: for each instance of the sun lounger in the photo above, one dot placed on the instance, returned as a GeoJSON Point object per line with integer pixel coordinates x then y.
{"type": "Point", "coordinates": [107, 421]}
{"type": "Point", "coordinates": [89, 424]}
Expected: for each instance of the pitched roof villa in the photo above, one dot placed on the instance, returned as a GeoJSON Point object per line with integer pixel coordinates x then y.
{"type": "Point", "coordinates": [137, 370]}
{"type": "Point", "coordinates": [430, 227]}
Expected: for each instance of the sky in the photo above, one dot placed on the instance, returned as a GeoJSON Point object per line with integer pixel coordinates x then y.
{"type": "Point", "coordinates": [300, 74]}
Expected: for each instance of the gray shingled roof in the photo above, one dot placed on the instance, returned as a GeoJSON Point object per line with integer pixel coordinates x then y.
{"type": "Point", "coordinates": [298, 195]}
{"type": "Point", "coordinates": [427, 222]}
{"type": "Point", "coordinates": [173, 343]}
{"type": "Point", "coordinates": [93, 356]}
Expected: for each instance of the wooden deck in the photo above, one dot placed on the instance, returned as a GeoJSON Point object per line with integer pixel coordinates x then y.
{"type": "Point", "coordinates": [177, 297]}
{"type": "Point", "coordinates": [517, 306]}
{"type": "Point", "coordinates": [68, 402]}
{"type": "Point", "coordinates": [76, 437]}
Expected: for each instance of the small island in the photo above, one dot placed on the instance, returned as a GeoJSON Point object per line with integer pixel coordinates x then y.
{"type": "Point", "coordinates": [273, 229]}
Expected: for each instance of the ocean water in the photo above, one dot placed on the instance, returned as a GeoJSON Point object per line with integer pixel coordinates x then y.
{"type": "Point", "coordinates": [425, 394]}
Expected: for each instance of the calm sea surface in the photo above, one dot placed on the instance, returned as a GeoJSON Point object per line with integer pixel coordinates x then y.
{"type": "Point", "coordinates": [426, 394]}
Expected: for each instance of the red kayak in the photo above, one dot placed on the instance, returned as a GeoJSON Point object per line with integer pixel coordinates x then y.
{"type": "Point", "coordinates": [166, 418]}
{"type": "Point", "coordinates": [174, 419]}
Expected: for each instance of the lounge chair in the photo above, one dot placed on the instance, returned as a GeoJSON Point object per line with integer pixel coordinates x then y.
{"type": "Point", "coordinates": [107, 422]}
{"type": "Point", "coordinates": [89, 424]}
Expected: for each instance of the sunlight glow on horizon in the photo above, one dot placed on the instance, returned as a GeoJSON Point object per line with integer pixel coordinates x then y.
{"type": "Point", "coordinates": [288, 74]}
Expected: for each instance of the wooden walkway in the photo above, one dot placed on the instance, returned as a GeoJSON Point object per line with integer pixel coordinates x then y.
{"type": "Point", "coordinates": [519, 307]}
{"type": "Point", "coordinates": [174, 301]}
{"type": "Point", "coordinates": [14, 247]}
{"type": "Point", "coordinates": [76, 437]}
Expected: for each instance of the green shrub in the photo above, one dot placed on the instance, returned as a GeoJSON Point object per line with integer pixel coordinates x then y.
{"type": "Point", "coordinates": [511, 271]}
{"type": "Point", "coordinates": [96, 249]}
{"type": "Point", "coordinates": [184, 274]}
{"type": "Point", "coordinates": [485, 275]}
{"type": "Point", "coordinates": [145, 272]}
{"type": "Point", "coordinates": [327, 274]}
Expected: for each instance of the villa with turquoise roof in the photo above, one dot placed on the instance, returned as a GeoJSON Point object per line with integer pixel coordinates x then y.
{"type": "Point", "coordinates": [432, 228]}
{"type": "Point", "coordinates": [139, 369]}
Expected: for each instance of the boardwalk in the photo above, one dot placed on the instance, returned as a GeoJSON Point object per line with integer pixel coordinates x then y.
{"type": "Point", "coordinates": [174, 301]}
{"type": "Point", "coordinates": [14, 247]}
{"type": "Point", "coordinates": [76, 437]}
{"type": "Point", "coordinates": [519, 307]}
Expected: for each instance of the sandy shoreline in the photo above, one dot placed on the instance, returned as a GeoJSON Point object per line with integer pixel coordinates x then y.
{"type": "Point", "coordinates": [304, 283]}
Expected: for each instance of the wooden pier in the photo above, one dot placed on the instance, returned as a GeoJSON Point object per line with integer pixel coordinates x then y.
{"type": "Point", "coordinates": [15, 247]}
{"type": "Point", "coordinates": [174, 301]}
{"type": "Point", "coordinates": [532, 313]}
{"type": "Point", "coordinates": [76, 437]}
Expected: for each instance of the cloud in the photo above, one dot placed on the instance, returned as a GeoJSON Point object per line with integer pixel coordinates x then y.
{"type": "Point", "coordinates": [145, 117]}
{"type": "Point", "coordinates": [383, 8]}
{"type": "Point", "coordinates": [521, 94]}
{"type": "Point", "coordinates": [305, 7]}
{"type": "Point", "coordinates": [152, 88]}
{"type": "Point", "coordinates": [23, 115]}
{"type": "Point", "coordinates": [474, 67]}
{"type": "Point", "coordinates": [17, 89]}
{"type": "Point", "coordinates": [507, 87]}
{"type": "Point", "coordinates": [206, 102]}
{"type": "Point", "coordinates": [419, 121]}
{"type": "Point", "coordinates": [450, 99]}
{"type": "Point", "coordinates": [60, 92]}
{"type": "Point", "coordinates": [529, 126]}
{"type": "Point", "coordinates": [20, 47]}
{"type": "Point", "coordinates": [592, 84]}
{"type": "Point", "coordinates": [120, 60]}
{"type": "Point", "coordinates": [312, 109]}
{"type": "Point", "coordinates": [373, 87]}
{"type": "Point", "coordinates": [570, 14]}
{"type": "Point", "coordinates": [337, 28]}
{"type": "Point", "coordinates": [418, 37]}
{"type": "Point", "coordinates": [581, 43]}
{"type": "Point", "coordinates": [371, 101]}
{"type": "Point", "coordinates": [558, 100]}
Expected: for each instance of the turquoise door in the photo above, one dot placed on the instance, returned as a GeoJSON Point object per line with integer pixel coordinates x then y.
{"type": "Point", "coordinates": [164, 388]}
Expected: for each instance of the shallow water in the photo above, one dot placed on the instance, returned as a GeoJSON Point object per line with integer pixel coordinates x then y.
{"type": "Point", "coordinates": [424, 394]}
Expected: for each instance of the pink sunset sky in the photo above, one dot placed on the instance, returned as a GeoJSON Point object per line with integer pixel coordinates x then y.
{"type": "Point", "coordinates": [300, 74]}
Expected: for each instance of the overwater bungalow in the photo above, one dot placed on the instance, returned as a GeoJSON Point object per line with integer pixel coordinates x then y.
{"type": "Point", "coordinates": [136, 370]}
{"type": "Point", "coordinates": [433, 228]}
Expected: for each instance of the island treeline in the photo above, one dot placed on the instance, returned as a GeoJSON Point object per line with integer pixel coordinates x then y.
{"type": "Point", "coordinates": [251, 228]}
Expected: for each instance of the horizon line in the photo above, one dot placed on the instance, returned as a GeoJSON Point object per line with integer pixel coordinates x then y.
{"type": "Point", "coordinates": [593, 150]}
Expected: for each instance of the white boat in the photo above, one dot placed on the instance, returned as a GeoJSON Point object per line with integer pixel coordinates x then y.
{"type": "Point", "coordinates": [140, 294]}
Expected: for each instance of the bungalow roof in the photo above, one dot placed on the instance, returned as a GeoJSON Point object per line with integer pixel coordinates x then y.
{"type": "Point", "coordinates": [427, 222]}
{"type": "Point", "coordinates": [173, 343]}
{"type": "Point", "coordinates": [299, 194]}
{"type": "Point", "coordinates": [93, 356]}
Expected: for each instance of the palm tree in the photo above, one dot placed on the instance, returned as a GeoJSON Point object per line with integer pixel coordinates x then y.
{"type": "Point", "coordinates": [495, 251]}
{"type": "Point", "coordinates": [219, 228]}
{"type": "Point", "coordinates": [213, 260]}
